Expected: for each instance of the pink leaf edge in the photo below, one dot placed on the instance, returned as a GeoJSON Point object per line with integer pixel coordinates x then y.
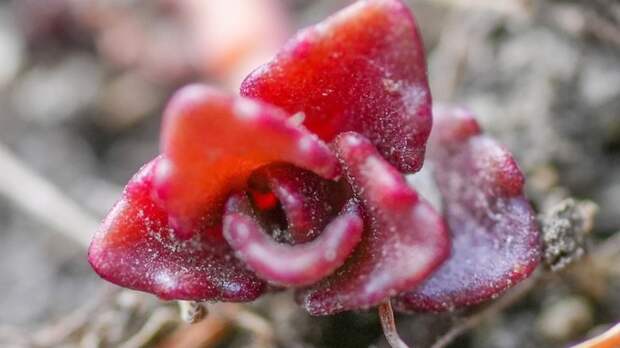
{"type": "Point", "coordinates": [136, 248]}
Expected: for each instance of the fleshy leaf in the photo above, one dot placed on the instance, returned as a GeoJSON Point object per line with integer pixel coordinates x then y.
{"type": "Point", "coordinates": [363, 70]}
{"type": "Point", "coordinates": [495, 235]}
{"type": "Point", "coordinates": [136, 248]}
{"type": "Point", "coordinates": [291, 265]}
{"type": "Point", "coordinates": [213, 141]}
{"type": "Point", "coordinates": [307, 200]}
{"type": "Point", "coordinates": [404, 241]}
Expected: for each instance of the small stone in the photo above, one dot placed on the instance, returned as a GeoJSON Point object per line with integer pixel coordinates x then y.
{"type": "Point", "coordinates": [566, 319]}
{"type": "Point", "coordinates": [563, 231]}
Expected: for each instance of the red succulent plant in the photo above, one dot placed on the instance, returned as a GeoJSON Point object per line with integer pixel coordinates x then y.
{"type": "Point", "coordinates": [299, 182]}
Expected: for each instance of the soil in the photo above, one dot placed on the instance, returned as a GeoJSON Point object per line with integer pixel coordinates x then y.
{"type": "Point", "coordinates": [542, 76]}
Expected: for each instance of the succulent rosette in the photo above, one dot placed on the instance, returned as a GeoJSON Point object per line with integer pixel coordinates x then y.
{"type": "Point", "coordinates": [299, 182]}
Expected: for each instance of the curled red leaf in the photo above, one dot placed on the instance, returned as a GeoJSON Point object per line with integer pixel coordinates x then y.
{"type": "Point", "coordinates": [136, 248]}
{"type": "Point", "coordinates": [213, 141]}
{"type": "Point", "coordinates": [404, 241]}
{"type": "Point", "coordinates": [307, 200]}
{"type": "Point", "coordinates": [494, 230]}
{"type": "Point", "coordinates": [363, 70]}
{"type": "Point", "coordinates": [291, 265]}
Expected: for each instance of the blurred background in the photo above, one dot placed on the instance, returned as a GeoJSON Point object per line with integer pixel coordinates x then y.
{"type": "Point", "coordinates": [82, 86]}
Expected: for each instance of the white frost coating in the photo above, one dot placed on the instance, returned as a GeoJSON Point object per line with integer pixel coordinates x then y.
{"type": "Point", "coordinates": [286, 197]}
{"type": "Point", "coordinates": [163, 170]}
{"type": "Point", "coordinates": [378, 282]}
{"type": "Point", "coordinates": [493, 156]}
{"type": "Point", "coordinates": [306, 143]}
{"type": "Point", "coordinates": [243, 231]}
{"type": "Point", "coordinates": [490, 147]}
{"type": "Point", "coordinates": [246, 109]}
{"type": "Point", "coordinates": [165, 280]}
{"type": "Point", "coordinates": [413, 96]}
{"type": "Point", "coordinates": [297, 119]}
{"type": "Point", "coordinates": [330, 254]}
{"type": "Point", "coordinates": [391, 86]}
{"type": "Point", "coordinates": [375, 168]}
{"type": "Point", "coordinates": [352, 141]}
{"type": "Point", "coordinates": [231, 287]}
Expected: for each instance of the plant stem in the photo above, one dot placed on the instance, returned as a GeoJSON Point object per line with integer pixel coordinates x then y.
{"type": "Point", "coordinates": [389, 325]}
{"type": "Point", "coordinates": [35, 195]}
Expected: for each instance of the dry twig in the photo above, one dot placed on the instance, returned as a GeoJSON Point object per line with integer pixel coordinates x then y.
{"type": "Point", "coordinates": [160, 318]}
{"type": "Point", "coordinates": [192, 311]}
{"type": "Point", "coordinates": [58, 332]}
{"type": "Point", "coordinates": [246, 319]}
{"type": "Point", "coordinates": [206, 333]}
{"type": "Point", "coordinates": [43, 200]}
{"type": "Point", "coordinates": [475, 319]}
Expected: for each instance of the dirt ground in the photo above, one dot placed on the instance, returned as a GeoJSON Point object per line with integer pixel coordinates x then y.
{"type": "Point", "coordinates": [82, 86]}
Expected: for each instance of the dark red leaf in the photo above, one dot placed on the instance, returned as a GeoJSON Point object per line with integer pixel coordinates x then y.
{"type": "Point", "coordinates": [136, 248]}
{"type": "Point", "coordinates": [495, 234]}
{"type": "Point", "coordinates": [307, 200]}
{"type": "Point", "coordinates": [363, 70]}
{"type": "Point", "coordinates": [404, 241]}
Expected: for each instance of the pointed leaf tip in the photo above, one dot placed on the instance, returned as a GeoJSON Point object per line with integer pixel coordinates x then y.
{"type": "Point", "coordinates": [362, 69]}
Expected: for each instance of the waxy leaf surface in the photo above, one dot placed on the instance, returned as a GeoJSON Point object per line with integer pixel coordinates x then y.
{"type": "Point", "coordinates": [136, 248]}
{"type": "Point", "coordinates": [362, 69]}
{"type": "Point", "coordinates": [494, 231]}
{"type": "Point", "coordinates": [211, 143]}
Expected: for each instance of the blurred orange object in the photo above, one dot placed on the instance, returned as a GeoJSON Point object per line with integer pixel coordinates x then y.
{"type": "Point", "coordinates": [169, 40]}
{"type": "Point", "coordinates": [609, 339]}
{"type": "Point", "coordinates": [232, 37]}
